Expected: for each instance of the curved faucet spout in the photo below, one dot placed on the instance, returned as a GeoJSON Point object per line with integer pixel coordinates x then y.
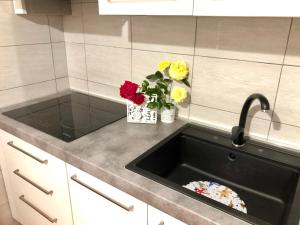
{"type": "Point", "coordinates": [237, 135]}
{"type": "Point", "coordinates": [264, 104]}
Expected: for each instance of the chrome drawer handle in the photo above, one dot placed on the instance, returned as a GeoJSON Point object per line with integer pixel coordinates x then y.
{"type": "Point", "coordinates": [17, 172]}
{"type": "Point", "coordinates": [11, 144]}
{"type": "Point", "coordinates": [161, 223]}
{"type": "Point", "coordinates": [127, 208]}
{"type": "Point", "coordinates": [52, 220]}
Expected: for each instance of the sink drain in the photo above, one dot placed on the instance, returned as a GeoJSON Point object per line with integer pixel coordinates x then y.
{"type": "Point", "coordinates": [231, 157]}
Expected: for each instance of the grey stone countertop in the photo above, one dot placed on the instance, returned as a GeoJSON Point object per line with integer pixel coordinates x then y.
{"type": "Point", "coordinates": [104, 154]}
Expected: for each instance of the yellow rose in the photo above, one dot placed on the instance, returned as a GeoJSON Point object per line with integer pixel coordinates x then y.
{"type": "Point", "coordinates": [164, 65]}
{"type": "Point", "coordinates": [178, 94]}
{"type": "Point", "coordinates": [179, 70]}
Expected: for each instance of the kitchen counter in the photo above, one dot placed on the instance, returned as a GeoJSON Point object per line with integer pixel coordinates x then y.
{"type": "Point", "coordinates": [104, 154]}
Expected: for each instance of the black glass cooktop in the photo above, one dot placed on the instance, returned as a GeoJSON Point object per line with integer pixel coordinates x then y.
{"type": "Point", "coordinates": [71, 116]}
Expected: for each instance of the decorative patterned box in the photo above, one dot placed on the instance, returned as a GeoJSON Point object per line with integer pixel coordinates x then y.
{"type": "Point", "coordinates": [140, 113]}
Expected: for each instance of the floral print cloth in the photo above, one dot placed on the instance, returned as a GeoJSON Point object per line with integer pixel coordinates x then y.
{"type": "Point", "coordinates": [219, 193]}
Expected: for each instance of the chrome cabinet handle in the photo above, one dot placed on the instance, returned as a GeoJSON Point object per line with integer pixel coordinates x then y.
{"type": "Point", "coordinates": [127, 208]}
{"type": "Point", "coordinates": [17, 172]}
{"type": "Point", "coordinates": [11, 144]}
{"type": "Point", "coordinates": [52, 220]}
{"type": "Point", "coordinates": [161, 223]}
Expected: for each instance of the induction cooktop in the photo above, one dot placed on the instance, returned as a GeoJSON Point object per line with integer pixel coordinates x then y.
{"type": "Point", "coordinates": [70, 116]}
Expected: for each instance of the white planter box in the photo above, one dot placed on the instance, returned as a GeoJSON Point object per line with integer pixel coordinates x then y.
{"type": "Point", "coordinates": [140, 113]}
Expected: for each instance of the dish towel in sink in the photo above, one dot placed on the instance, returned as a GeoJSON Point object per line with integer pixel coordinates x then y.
{"type": "Point", "coordinates": [219, 193]}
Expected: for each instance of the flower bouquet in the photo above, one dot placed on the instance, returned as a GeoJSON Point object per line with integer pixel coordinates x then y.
{"type": "Point", "coordinates": [137, 110]}
{"type": "Point", "coordinates": [160, 85]}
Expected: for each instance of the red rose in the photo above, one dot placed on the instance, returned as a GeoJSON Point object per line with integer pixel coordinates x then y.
{"type": "Point", "coordinates": [139, 99]}
{"type": "Point", "coordinates": [128, 90]}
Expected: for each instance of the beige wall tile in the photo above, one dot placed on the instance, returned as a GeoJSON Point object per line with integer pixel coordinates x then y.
{"type": "Point", "coordinates": [21, 65]}
{"type": "Point", "coordinates": [285, 134]}
{"type": "Point", "coordinates": [108, 65]}
{"type": "Point", "coordinates": [287, 105]}
{"type": "Point", "coordinates": [255, 39]}
{"type": "Point", "coordinates": [105, 91]}
{"type": "Point", "coordinates": [226, 120]}
{"type": "Point", "coordinates": [56, 28]}
{"type": "Point", "coordinates": [165, 34]}
{"type": "Point", "coordinates": [62, 84]}
{"type": "Point", "coordinates": [73, 27]}
{"type": "Point", "coordinates": [16, 30]}
{"type": "Point", "coordinates": [25, 93]}
{"type": "Point", "coordinates": [105, 30]}
{"type": "Point", "coordinates": [293, 51]}
{"type": "Point", "coordinates": [76, 60]}
{"type": "Point", "coordinates": [225, 84]}
{"type": "Point", "coordinates": [78, 84]}
{"type": "Point", "coordinates": [145, 63]}
{"type": "Point", "coordinates": [60, 59]}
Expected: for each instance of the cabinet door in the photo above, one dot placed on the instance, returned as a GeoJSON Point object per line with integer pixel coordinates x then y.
{"type": "Point", "coordinates": [95, 202]}
{"type": "Point", "coordinates": [38, 184]}
{"type": "Point", "coordinates": [145, 7]}
{"type": "Point", "coordinates": [156, 217]}
{"type": "Point", "coordinates": [278, 8]}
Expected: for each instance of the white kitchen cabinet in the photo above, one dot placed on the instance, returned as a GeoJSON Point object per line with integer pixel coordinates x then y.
{"type": "Point", "coordinates": [146, 7]}
{"type": "Point", "coordinates": [157, 217]}
{"type": "Point", "coordinates": [95, 202]}
{"type": "Point", "coordinates": [36, 183]}
{"type": "Point", "coordinates": [265, 8]}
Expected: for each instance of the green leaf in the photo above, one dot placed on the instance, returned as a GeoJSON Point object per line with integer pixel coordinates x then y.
{"type": "Point", "coordinates": [167, 81]}
{"type": "Point", "coordinates": [171, 105]}
{"type": "Point", "coordinates": [152, 77]}
{"type": "Point", "coordinates": [145, 83]}
{"type": "Point", "coordinates": [152, 105]}
{"type": "Point", "coordinates": [167, 106]}
{"type": "Point", "coordinates": [186, 82]}
{"type": "Point", "coordinates": [159, 75]}
{"type": "Point", "coordinates": [159, 104]}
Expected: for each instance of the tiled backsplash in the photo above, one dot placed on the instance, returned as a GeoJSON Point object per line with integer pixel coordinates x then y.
{"type": "Point", "coordinates": [32, 55]}
{"type": "Point", "coordinates": [230, 58]}
{"type": "Point", "coordinates": [32, 59]}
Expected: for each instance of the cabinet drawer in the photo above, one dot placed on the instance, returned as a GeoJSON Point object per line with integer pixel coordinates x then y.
{"type": "Point", "coordinates": [31, 209]}
{"type": "Point", "coordinates": [43, 185]}
{"type": "Point", "coordinates": [96, 202]}
{"type": "Point", "coordinates": [37, 165]}
{"type": "Point", "coordinates": [157, 217]}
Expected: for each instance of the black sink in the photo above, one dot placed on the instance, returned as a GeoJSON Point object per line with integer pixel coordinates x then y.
{"type": "Point", "coordinates": [265, 177]}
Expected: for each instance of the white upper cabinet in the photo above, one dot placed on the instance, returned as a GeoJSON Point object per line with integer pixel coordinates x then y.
{"type": "Point", "coordinates": [146, 7]}
{"type": "Point", "coordinates": [265, 8]}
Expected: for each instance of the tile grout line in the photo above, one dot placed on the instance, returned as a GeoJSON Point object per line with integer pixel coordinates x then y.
{"type": "Point", "coordinates": [52, 53]}
{"type": "Point", "coordinates": [227, 111]}
{"type": "Point", "coordinates": [131, 50]}
{"type": "Point", "coordinates": [281, 71]}
{"type": "Point", "coordinates": [192, 78]}
{"type": "Point", "coordinates": [31, 84]}
{"type": "Point", "coordinates": [95, 82]}
{"type": "Point", "coordinates": [184, 54]}
{"type": "Point", "coordinates": [84, 47]}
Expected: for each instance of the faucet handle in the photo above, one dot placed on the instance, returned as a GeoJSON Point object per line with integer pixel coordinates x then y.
{"type": "Point", "coordinates": [237, 136]}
